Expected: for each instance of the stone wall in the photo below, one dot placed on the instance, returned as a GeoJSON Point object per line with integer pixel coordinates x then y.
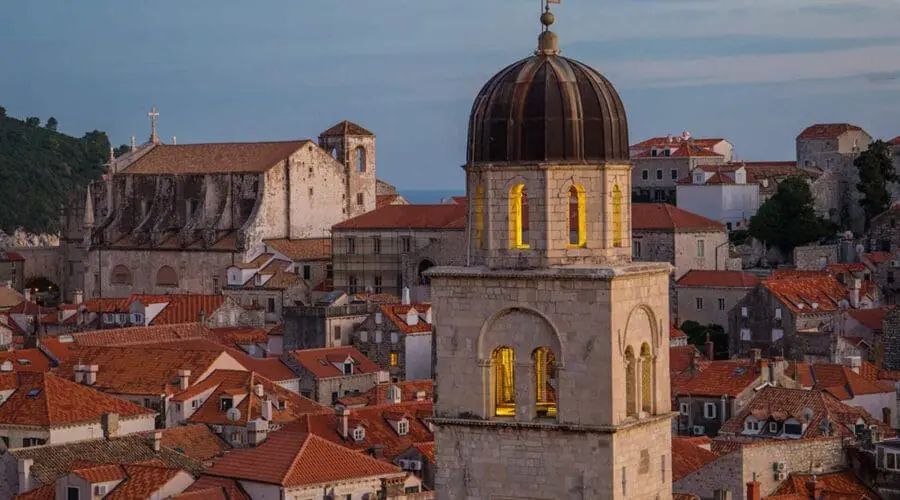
{"type": "Point", "coordinates": [890, 340]}
{"type": "Point", "coordinates": [815, 257]}
{"type": "Point", "coordinates": [717, 303]}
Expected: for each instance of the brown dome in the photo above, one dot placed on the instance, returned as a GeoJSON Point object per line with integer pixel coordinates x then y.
{"type": "Point", "coordinates": [548, 108]}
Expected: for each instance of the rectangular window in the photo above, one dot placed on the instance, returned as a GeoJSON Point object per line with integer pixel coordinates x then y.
{"type": "Point", "coordinates": [215, 284]}
{"type": "Point", "coordinates": [26, 442]}
{"type": "Point", "coordinates": [636, 249]}
{"type": "Point", "coordinates": [777, 313]}
{"type": "Point", "coordinates": [745, 334]}
{"type": "Point", "coordinates": [270, 305]}
{"type": "Point", "coordinates": [709, 411]}
{"type": "Point", "coordinates": [793, 429]}
{"type": "Point", "coordinates": [351, 245]}
{"type": "Point", "coordinates": [359, 198]}
{"type": "Point", "coordinates": [395, 359]}
{"type": "Point", "coordinates": [352, 284]}
{"type": "Point", "coordinates": [721, 304]}
{"type": "Point", "coordinates": [72, 493]}
{"type": "Point", "coordinates": [658, 174]}
{"type": "Point", "coordinates": [329, 271]}
{"type": "Point", "coordinates": [645, 174]}
{"type": "Point", "coordinates": [699, 302]}
{"type": "Point", "coordinates": [337, 332]}
{"type": "Point", "coordinates": [406, 244]}
{"type": "Point", "coordinates": [684, 408]}
{"type": "Point", "coordinates": [743, 312]}
{"type": "Point", "coordinates": [376, 245]}
{"type": "Point", "coordinates": [307, 272]}
{"type": "Point", "coordinates": [890, 276]}
{"type": "Point", "coordinates": [377, 282]}
{"type": "Point", "coordinates": [225, 404]}
{"type": "Point", "coordinates": [334, 397]}
{"type": "Point", "coordinates": [777, 334]}
{"type": "Point", "coordinates": [773, 427]}
{"type": "Point", "coordinates": [674, 174]}
{"type": "Point", "coordinates": [310, 192]}
{"type": "Point", "coordinates": [701, 248]}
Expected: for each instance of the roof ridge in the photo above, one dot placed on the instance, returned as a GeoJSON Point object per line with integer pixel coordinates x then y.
{"type": "Point", "coordinates": [290, 467]}
{"type": "Point", "coordinates": [287, 141]}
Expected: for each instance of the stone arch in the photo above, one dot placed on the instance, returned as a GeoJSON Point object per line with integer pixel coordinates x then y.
{"type": "Point", "coordinates": [166, 276]}
{"type": "Point", "coordinates": [641, 316]}
{"type": "Point", "coordinates": [120, 275]}
{"type": "Point", "coordinates": [424, 265]}
{"type": "Point", "coordinates": [360, 159]}
{"type": "Point", "coordinates": [524, 330]}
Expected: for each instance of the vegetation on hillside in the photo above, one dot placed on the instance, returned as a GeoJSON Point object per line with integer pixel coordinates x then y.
{"type": "Point", "coordinates": [788, 219]}
{"type": "Point", "coordinates": [39, 167]}
{"type": "Point", "coordinates": [876, 172]}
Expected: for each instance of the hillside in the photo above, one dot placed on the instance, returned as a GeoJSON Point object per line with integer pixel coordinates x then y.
{"type": "Point", "coordinates": [39, 167]}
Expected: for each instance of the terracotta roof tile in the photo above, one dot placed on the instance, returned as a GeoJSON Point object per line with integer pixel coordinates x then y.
{"type": "Point", "coordinates": [345, 127]}
{"type": "Point", "coordinates": [11, 257]}
{"type": "Point", "coordinates": [45, 399]}
{"type": "Point", "coordinates": [719, 279]}
{"type": "Point", "coordinates": [716, 378]}
{"type": "Point", "coordinates": [314, 361]}
{"type": "Point", "coordinates": [234, 337]}
{"type": "Point", "coordinates": [827, 130]}
{"type": "Point", "coordinates": [396, 313]}
{"type": "Point", "coordinates": [870, 318]}
{"type": "Point", "coordinates": [9, 297]}
{"type": "Point", "coordinates": [181, 308]}
{"type": "Point", "coordinates": [675, 333]}
{"type": "Point", "coordinates": [662, 216]}
{"type": "Point", "coordinates": [143, 335]}
{"type": "Point", "coordinates": [187, 159]}
{"type": "Point", "coordinates": [446, 216]}
{"type": "Point", "coordinates": [409, 391]}
{"type": "Point", "coordinates": [258, 262]}
{"type": "Point", "coordinates": [293, 458]}
{"type": "Point", "coordinates": [213, 488]}
{"type": "Point", "coordinates": [799, 290]}
{"type": "Point", "coordinates": [877, 258]}
{"type": "Point", "coordinates": [195, 441]}
{"type": "Point", "coordinates": [46, 492]}
{"type": "Point", "coordinates": [845, 483]}
{"type": "Point", "coordinates": [143, 481]}
{"type": "Point", "coordinates": [57, 348]}
{"type": "Point", "coordinates": [389, 199]}
{"type": "Point", "coordinates": [688, 456]}
{"type": "Point", "coordinates": [427, 450]}
{"type": "Point", "coordinates": [840, 380]}
{"type": "Point", "coordinates": [26, 360]}
{"type": "Point", "coordinates": [30, 308]}
{"type": "Point", "coordinates": [895, 141]}
{"type": "Point", "coordinates": [661, 142]}
{"type": "Point", "coordinates": [680, 357]}
{"type": "Point", "coordinates": [302, 250]}
{"type": "Point", "coordinates": [101, 473]}
{"type": "Point", "coordinates": [846, 267]}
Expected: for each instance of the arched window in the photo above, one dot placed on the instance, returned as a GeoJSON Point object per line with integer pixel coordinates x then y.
{"type": "Point", "coordinates": [166, 276]}
{"type": "Point", "coordinates": [479, 216]}
{"type": "Point", "coordinates": [360, 159]}
{"type": "Point", "coordinates": [630, 403]}
{"type": "Point", "coordinates": [646, 379]}
{"type": "Point", "coordinates": [577, 222]}
{"type": "Point", "coordinates": [503, 360]}
{"type": "Point", "coordinates": [424, 266]}
{"type": "Point", "coordinates": [617, 216]}
{"type": "Point", "coordinates": [518, 217]}
{"type": "Point", "coordinates": [545, 382]}
{"type": "Point", "coordinates": [121, 275]}
{"type": "Point", "coordinates": [334, 154]}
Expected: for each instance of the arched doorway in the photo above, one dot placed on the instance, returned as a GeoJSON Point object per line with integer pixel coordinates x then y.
{"type": "Point", "coordinates": [424, 266]}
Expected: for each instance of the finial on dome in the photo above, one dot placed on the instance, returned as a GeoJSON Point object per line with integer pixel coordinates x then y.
{"type": "Point", "coordinates": [548, 42]}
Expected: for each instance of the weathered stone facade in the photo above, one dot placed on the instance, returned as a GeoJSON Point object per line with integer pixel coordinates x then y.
{"type": "Point", "coordinates": [815, 257]}
{"type": "Point", "coordinates": [12, 270]}
{"type": "Point", "coordinates": [708, 305]}
{"type": "Point", "coordinates": [890, 340]}
{"type": "Point", "coordinates": [685, 250]}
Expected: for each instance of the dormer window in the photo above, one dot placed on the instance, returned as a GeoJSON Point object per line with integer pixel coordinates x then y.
{"type": "Point", "coordinates": [226, 403]}
{"type": "Point", "coordinates": [359, 433]}
{"type": "Point", "coordinates": [752, 425]}
{"type": "Point", "coordinates": [698, 178]}
{"type": "Point", "coordinates": [773, 427]}
{"type": "Point", "coordinates": [403, 427]}
{"type": "Point", "coordinates": [280, 404]}
{"type": "Point", "coordinates": [348, 368]}
{"type": "Point", "coordinates": [793, 428]}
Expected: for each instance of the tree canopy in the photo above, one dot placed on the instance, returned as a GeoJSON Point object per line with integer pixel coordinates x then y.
{"type": "Point", "coordinates": [788, 219]}
{"type": "Point", "coordinates": [697, 335]}
{"type": "Point", "coordinates": [876, 171]}
{"type": "Point", "coordinates": [39, 168]}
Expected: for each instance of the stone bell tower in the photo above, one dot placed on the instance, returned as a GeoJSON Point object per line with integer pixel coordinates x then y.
{"type": "Point", "coordinates": [551, 351]}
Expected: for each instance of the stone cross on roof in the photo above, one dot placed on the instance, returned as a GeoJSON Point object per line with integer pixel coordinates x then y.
{"type": "Point", "coordinates": [153, 114]}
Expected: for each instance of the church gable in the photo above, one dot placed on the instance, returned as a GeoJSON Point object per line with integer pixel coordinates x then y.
{"type": "Point", "coordinates": [199, 159]}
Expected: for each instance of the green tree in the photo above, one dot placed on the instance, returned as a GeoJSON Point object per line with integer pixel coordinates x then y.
{"type": "Point", "coordinates": [33, 121]}
{"type": "Point", "coordinates": [2, 112]}
{"type": "Point", "coordinates": [697, 335]}
{"type": "Point", "coordinates": [788, 219]}
{"type": "Point", "coordinates": [52, 124]}
{"type": "Point", "coordinates": [876, 170]}
{"type": "Point", "coordinates": [119, 151]}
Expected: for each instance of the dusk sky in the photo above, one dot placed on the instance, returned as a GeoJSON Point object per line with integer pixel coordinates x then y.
{"type": "Point", "coordinates": [753, 71]}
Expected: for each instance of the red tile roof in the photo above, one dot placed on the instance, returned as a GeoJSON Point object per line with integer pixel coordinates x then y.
{"type": "Point", "coordinates": [409, 391]}
{"type": "Point", "coordinates": [143, 335]}
{"type": "Point", "coordinates": [26, 360]}
{"type": "Point", "coordinates": [827, 130]}
{"type": "Point", "coordinates": [195, 441]}
{"type": "Point", "coordinates": [870, 318]}
{"type": "Point", "coordinates": [11, 257]}
{"type": "Point", "coordinates": [662, 216]}
{"type": "Point", "coordinates": [799, 290]}
{"type": "Point", "coordinates": [234, 337]}
{"type": "Point", "coordinates": [45, 399]}
{"type": "Point", "coordinates": [303, 249]}
{"type": "Point", "coordinates": [846, 267]}
{"type": "Point", "coordinates": [844, 484]}
{"type": "Point", "coordinates": [877, 258]}
{"type": "Point", "coordinates": [142, 481]}
{"type": "Point", "coordinates": [181, 308]}
{"type": "Point", "coordinates": [719, 279]}
{"type": "Point", "coordinates": [839, 380]}
{"type": "Point", "coordinates": [396, 313]}
{"type": "Point", "coordinates": [30, 309]}
{"type": "Point", "coordinates": [895, 141]}
{"type": "Point", "coordinates": [101, 473]}
{"type": "Point", "coordinates": [680, 357]}
{"type": "Point", "coordinates": [389, 199]}
{"type": "Point", "coordinates": [716, 378]}
{"type": "Point", "coordinates": [427, 450]}
{"type": "Point", "coordinates": [235, 383]}
{"type": "Point", "coordinates": [661, 142]}
{"type": "Point", "coordinates": [213, 488]}
{"type": "Point", "coordinates": [688, 456]}
{"type": "Point", "coordinates": [292, 458]}
{"type": "Point", "coordinates": [447, 216]}
{"type": "Point", "coordinates": [223, 158]}
{"type": "Point", "coordinates": [345, 127]}
{"type": "Point", "coordinates": [56, 348]}
{"type": "Point", "coordinates": [316, 361]}
{"type": "Point", "coordinates": [674, 332]}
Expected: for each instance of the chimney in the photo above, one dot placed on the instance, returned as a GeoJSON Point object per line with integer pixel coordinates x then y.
{"type": "Point", "coordinates": [886, 415]}
{"type": "Point", "coordinates": [259, 390]}
{"type": "Point", "coordinates": [155, 440]}
{"type": "Point", "coordinates": [405, 300]}
{"type": "Point", "coordinates": [412, 317]}
{"type": "Point", "coordinates": [854, 292]}
{"type": "Point", "coordinates": [710, 349]}
{"type": "Point", "coordinates": [694, 359]}
{"type": "Point", "coordinates": [754, 489]}
{"type": "Point", "coordinates": [267, 410]}
{"type": "Point", "coordinates": [24, 467]}
{"type": "Point", "coordinates": [90, 374]}
{"type": "Point", "coordinates": [184, 379]}
{"type": "Point", "coordinates": [174, 140]}
{"type": "Point", "coordinates": [257, 430]}
{"type": "Point", "coordinates": [79, 374]}
{"type": "Point", "coordinates": [428, 316]}
{"type": "Point", "coordinates": [812, 486]}
{"type": "Point", "coordinates": [79, 296]}
{"type": "Point", "coordinates": [764, 368]}
{"type": "Point", "coordinates": [343, 422]}
{"type": "Point", "coordinates": [853, 362]}
{"type": "Point", "coordinates": [723, 494]}
{"type": "Point", "coordinates": [755, 355]}
{"type": "Point", "coordinates": [109, 422]}
{"type": "Point", "coordinates": [27, 294]}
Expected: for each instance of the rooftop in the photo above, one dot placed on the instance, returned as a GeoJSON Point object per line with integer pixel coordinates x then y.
{"type": "Point", "coordinates": [841, 381]}
{"type": "Point", "coordinates": [222, 158]}
{"type": "Point", "coordinates": [719, 279]}
{"type": "Point", "coordinates": [872, 319]}
{"type": "Point", "coordinates": [25, 360]}
{"type": "Point", "coordinates": [715, 378]}
{"type": "Point", "coordinates": [807, 291]}
{"type": "Point", "coordinates": [143, 335]}
{"type": "Point", "coordinates": [665, 217]}
{"type": "Point", "coordinates": [689, 455]}
{"type": "Point", "coordinates": [842, 485]}
{"type": "Point", "coordinates": [194, 440]}
{"type": "Point", "coordinates": [320, 362]}
{"type": "Point", "coordinates": [827, 130]}
{"type": "Point", "coordinates": [450, 216]}
{"type": "Point", "coordinates": [302, 250]}
{"type": "Point", "coordinates": [396, 314]}
{"type": "Point", "coordinates": [345, 127]}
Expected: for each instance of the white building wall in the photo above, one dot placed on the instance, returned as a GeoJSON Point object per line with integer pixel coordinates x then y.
{"type": "Point", "coordinates": [726, 203]}
{"type": "Point", "coordinates": [874, 403]}
{"type": "Point", "coordinates": [418, 356]}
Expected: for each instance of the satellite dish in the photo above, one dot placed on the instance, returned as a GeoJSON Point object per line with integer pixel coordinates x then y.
{"type": "Point", "coordinates": [233, 415]}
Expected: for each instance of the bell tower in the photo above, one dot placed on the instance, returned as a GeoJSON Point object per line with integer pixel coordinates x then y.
{"type": "Point", "coordinates": [551, 350]}
{"type": "Point", "coordinates": [354, 148]}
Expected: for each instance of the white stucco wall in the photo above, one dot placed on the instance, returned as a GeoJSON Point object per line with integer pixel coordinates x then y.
{"type": "Point", "coordinates": [722, 202]}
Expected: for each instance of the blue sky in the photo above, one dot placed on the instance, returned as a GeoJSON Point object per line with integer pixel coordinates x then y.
{"type": "Point", "coordinates": [753, 71]}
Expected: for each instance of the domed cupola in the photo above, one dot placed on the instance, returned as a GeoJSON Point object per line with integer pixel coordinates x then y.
{"type": "Point", "coordinates": [548, 108]}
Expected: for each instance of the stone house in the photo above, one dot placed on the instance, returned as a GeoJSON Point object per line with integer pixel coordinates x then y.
{"type": "Point", "coordinates": [879, 467]}
{"type": "Point", "coordinates": [665, 233]}
{"type": "Point", "coordinates": [328, 322]}
{"type": "Point", "coordinates": [330, 373]}
{"type": "Point", "coordinates": [890, 340]}
{"type": "Point", "coordinates": [791, 313]}
{"type": "Point", "coordinates": [41, 408]}
{"type": "Point", "coordinates": [769, 174]}
{"type": "Point", "coordinates": [707, 296]}
{"type": "Point", "coordinates": [832, 148]}
{"type": "Point", "coordinates": [12, 269]}
{"type": "Point", "coordinates": [884, 268]}
{"type": "Point", "coordinates": [398, 336]}
{"type": "Point", "coordinates": [390, 248]}
{"type": "Point", "coordinates": [171, 218]}
{"type": "Point", "coordinates": [724, 193]}
{"type": "Point", "coordinates": [418, 459]}
{"type": "Point", "coordinates": [150, 480]}
{"type": "Point", "coordinates": [659, 162]}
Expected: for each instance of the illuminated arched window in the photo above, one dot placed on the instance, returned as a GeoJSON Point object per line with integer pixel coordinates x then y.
{"type": "Point", "coordinates": [577, 222]}
{"type": "Point", "coordinates": [121, 275]}
{"type": "Point", "coordinates": [630, 403]}
{"type": "Point", "coordinates": [518, 217]}
{"type": "Point", "coordinates": [503, 363]}
{"type": "Point", "coordinates": [617, 216]}
{"type": "Point", "coordinates": [479, 217]}
{"type": "Point", "coordinates": [545, 382]}
{"type": "Point", "coordinates": [646, 379]}
{"type": "Point", "coordinates": [360, 159]}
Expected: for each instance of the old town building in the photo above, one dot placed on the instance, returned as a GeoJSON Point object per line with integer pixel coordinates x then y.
{"type": "Point", "coordinates": [12, 269]}
{"type": "Point", "coordinates": [659, 163]}
{"type": "Point", "coordinates": [399, 337]}
{"type": "Point", "coordinates": [725, 193]}
{"type": "Point", "coordinates": [328, 374]}
{"type": "Point", "coordinates": [707, 297]}
{"type": "Point", "coordinates": [549, 314]}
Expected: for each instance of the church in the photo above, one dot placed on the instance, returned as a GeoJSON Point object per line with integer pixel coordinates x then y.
{"type": "Point", "coordinates": [171, 218]}
{"type": "Point", "coordinates": [551, 349]}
